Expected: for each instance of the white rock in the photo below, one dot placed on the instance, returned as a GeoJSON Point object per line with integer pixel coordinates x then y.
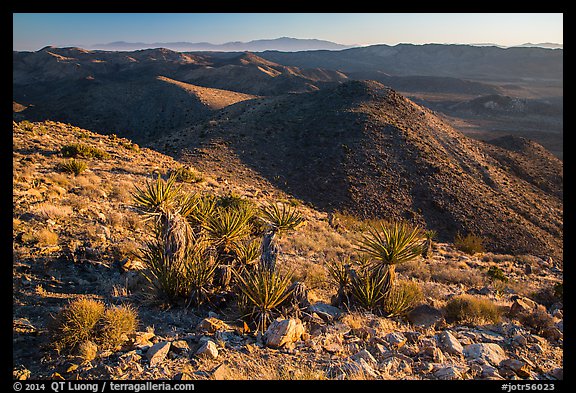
{"type": "Point", "coordinates": [283, 331]}
{"type": "Point", "coordinates": [158, 352]}
{"type": "Point", "coordinates": [450, 344]}
{"type": "Point", "coordinates": [491, 352]}
{"type": "Point", "coordinates": [208, 350]}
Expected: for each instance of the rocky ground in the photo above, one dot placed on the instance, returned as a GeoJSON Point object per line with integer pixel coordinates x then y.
{"type": "Point", "coordinates": [73, 237]}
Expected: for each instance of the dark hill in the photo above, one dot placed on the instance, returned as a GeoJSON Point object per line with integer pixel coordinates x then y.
{"type": "Point", "coordinates": [363, 148]}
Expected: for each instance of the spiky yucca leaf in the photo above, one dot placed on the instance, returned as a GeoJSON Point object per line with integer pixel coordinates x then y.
{"type": "Point", "coordinates": [392, 243]}
{"type": "Point", "coordinates": [401, 298]}
{"type": "Point", "coordinates": [204, 208]}
{"type": "Point", "coordinates": [338, 272]}
{"type": "Point", "coordinates": [369, 287]}
{"type": "Point", "coordinates": [157, 196]}
{"type": "Point", "coordinates": [226, 227]}
{"type": "Point", "coordinates": [248, 253]}
{"type": "Point", "coordinates": [200, 275]}
{"type": "Point", "coordinates": [281, 217]}
{"type": "Point", "coordinates": [262, 290]}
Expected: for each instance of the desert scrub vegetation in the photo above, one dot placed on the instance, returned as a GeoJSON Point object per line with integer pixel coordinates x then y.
{"type": "Point", "coordinates": [41, 237]}
{"type": "Point", "coordinates": [116, 323]}
{"type": "Point", "coordinates": [76, 323]}
{"type": "Point", "coordinates": [82, 150]}
{"type": "Point", "coordinates": [472, 310]}
{"type": "Point", "coordinates": [50, 211]}
{"type": "Point", "coordinates": [470, 244]}
{"type": "Point", "coordinates": [367, 281]}
{"type": "Point", "coordinates": [204, 246]}
{"type": "Point", "coordinates": [187, 175]}
{"type": "Point", "coordinates": [72, 166]}
{"type": "Point", "coordinates": [86, 319]}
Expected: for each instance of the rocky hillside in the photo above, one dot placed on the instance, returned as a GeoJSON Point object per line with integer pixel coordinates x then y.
{"type": "Point", "coordinates": [74, 238]}
{"type": "Point", "coordinates": [131, 93]}
{"type": "Point", "coordinates": [364, 149]}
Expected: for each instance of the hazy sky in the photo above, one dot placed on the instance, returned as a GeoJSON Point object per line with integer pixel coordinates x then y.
{"type": "Point", "coordinates": [35, 31]}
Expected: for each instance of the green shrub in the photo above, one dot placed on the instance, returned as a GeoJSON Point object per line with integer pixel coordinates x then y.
{"type": "Point", "coordinates": [187, 175]}
{"type": "Point", "coordinates": [470, 244]}
{"type": "Point", "coordinates": [73, 166]}
{"type": "Point", "coordinates": [495, 273]}
{"type": "Point", "coordinates": [116, 324]}
{"type": "Point", "coordinates": [76, 323]}
{"type": "Point", "coordinates": [84, 151]}
{"type": "Point", "coordinates": [402, 298]}
{"type": "Point", "coordinates": [471, 309]}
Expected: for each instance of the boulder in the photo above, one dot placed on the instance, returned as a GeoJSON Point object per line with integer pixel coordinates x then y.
{"type": "Point", "coordinates": [490, 352]}
{"type": "Point", "coordinates": [211, 325]}
{"type": "Point", "coordinates": [450, 344]}
{"type": "Point", "coordinates": [448, 373]}
{"type": "Point", "coordinates": [283, 331]}
{"type": "Point", "coordinates": [364, 354]}
{"type": "Point", "coordinates": [208, 350]}
{"type": "Point", "coordinates": [519, 367]}
{"type": "Point", "coordinates": [425, 316]}
{"type": "Point", "coordinates": [158, 352]}
{"type": "Point", "coordinates": [325, 311]}
{"type": "Point", "coordinates": [222, 372]}
{"type": "Point", "coordinates": [395, 340]}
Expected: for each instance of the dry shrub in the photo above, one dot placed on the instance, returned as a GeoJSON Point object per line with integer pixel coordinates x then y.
{"type": "Point", "coordinates": [45, 237]}
{"type": "Point", "coordinates": [538, 321]}
{"type": "Point", "coordinates": [117, 323]}
{"type": "Point", "coordinates": [50, 211]}
{"type": "Point", "coordinates": [472, 309]}
{"type": "Point", "coordinates": [121, 191]}
{"type": "Point", "coordinates": [76, 323]}
{"type": "Point", "coordinates": [470, 244]}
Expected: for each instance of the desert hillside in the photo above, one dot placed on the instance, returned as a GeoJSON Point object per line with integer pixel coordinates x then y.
{"type": "Point", "coordinates": [463, 312]}
{"type": "Point", "coordinates": [364, 149]}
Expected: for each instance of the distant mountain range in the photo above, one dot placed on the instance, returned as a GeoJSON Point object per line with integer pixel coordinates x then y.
{"type": "Point", "coordinates": [286, 44]}
{"type": "Point", "coordinates": [283, 44]}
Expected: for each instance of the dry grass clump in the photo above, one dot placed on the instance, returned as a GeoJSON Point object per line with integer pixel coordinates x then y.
{"type": "Point", "coordinates": [117, 322]}
{"type": "Point", "coordinates": [402, 298]}
{"type": "Point", "coordinates": [470, 244]}
{"type": "Point", "coordinates": [121, 191]}
{"type": "Point", "coordinates": [49, 211]}
{"type": "Point", "coordinates": [472, 309]}
{"type": "Point", "coordinates": [44, 237]}
{"type": "Point", "coordinates": [86, 319]}
{"type": "Point", "coordinates": [76, 323]}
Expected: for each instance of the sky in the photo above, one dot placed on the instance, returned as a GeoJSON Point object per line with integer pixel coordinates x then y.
{"type": "Point", "coordinates": [33, 31]}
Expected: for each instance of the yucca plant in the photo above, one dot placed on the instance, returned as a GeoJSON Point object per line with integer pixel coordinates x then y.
{"type": "Point", "coordinates": [402, 298]}
{"type": "Point", "coordinates": [225, 229]}
{"type": "Point", "coordinates": [370, 287]}
{"type": "Point", "coordinates": [163, 271]}
{"type": "Point", "coordinates": [157, 196]}
{"type": "Point", "coordinates": [262, 291]}
{"type": "Point", "coordinates": [204, 208]}
{"type": "Point", "coordinates": [247, 253]}
{"type": "Point", "coordinates": [73, 166]}
{"type": "Point", "coordinates": [389, 244]}
{"type": "Point", "coordinates": [339, 272]}
{"type": "Point", "coordinates": [200, 276]}
{"type": "Point", "coordinates": [281, 217]}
